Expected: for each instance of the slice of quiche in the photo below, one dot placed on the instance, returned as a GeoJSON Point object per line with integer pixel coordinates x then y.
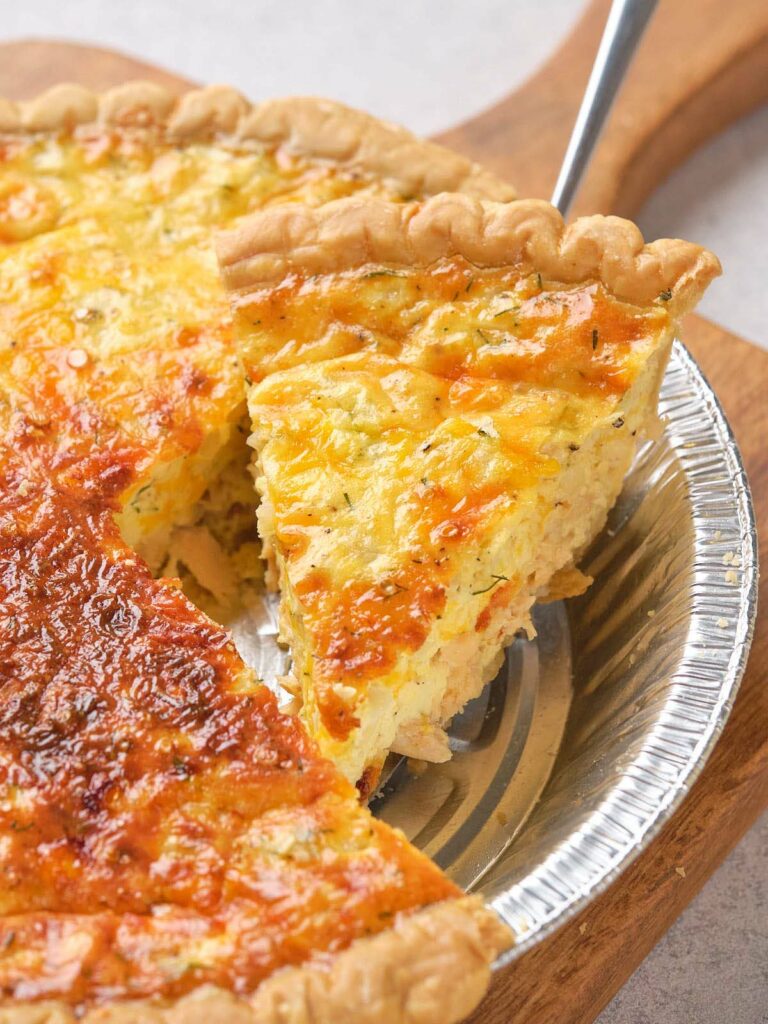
{"type": "Point", "coordinates": [446, 397]}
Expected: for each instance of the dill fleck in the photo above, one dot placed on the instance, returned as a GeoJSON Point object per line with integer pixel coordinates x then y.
{"type": "Point", "coordinates": [618, 422]}
{"type": "Point", "coordinates": [469, 285]}
{"type": "Point", "coordinates": [509, 309]}
{"type": "Point", "coordinates": [391, 588]}
{"type": "Point", "coordinates": [595, 339]}
{"type": "Point", "coordinates": [484, 336]}
{"type": "Point", "coordinates": [666, 295]}
{"type": "Point", "coordinates": [347, 499]}
{"type": "Point", "coordinates": [495, 580]}
{"type": "Point", "coordinates": [139, 493]}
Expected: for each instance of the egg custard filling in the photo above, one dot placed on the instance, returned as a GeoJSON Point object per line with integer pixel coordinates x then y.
{"type": "Point", "coordinates": [443, 417]}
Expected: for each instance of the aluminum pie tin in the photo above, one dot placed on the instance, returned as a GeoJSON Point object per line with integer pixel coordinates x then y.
{"type": "Point", "coordinates": [588, 740]}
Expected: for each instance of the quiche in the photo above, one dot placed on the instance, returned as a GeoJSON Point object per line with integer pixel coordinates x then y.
{"type": "Point", "coordinates": [445, 398]}
{"type": "Point", "coordinates": [174, 848]}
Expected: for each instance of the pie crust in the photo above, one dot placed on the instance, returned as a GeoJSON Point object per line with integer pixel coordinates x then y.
{"type": "Point", "coordinates": [311, 127]}
{"type": "Point", "coordinates": [348, 233]}
{"type": "Point", "coordinates": [429, 968]}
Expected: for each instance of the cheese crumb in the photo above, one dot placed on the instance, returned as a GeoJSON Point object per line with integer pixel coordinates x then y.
{"type": "Point", "coordinates": [345, 693]}
{"type": "Point", "coordinates": [731, 577]}
{"type": "Point", "coordinates": [680, 871]}
{"type": "Point", "coordinates": [83, 314]}
{"type": "Point", "coordinates": [583, 927]}
{"type": "Point", "coordinates": [722, 623]}
{"type": "Point", "coordinates": [77, 358]}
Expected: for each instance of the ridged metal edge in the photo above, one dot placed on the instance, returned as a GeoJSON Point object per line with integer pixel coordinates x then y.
{"type": "Point", "coordinates": [647, 794]}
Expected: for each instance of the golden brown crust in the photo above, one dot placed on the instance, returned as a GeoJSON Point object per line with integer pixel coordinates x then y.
{"type": "Point", "coordinates": [312, 127]}
{"type": "Point", "coordinates": [348, 233]}
{"type": "Point", "coordinates": [431, 967]}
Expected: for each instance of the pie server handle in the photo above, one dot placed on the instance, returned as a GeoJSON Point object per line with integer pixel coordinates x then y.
{"type": "Point", "coordinates": [627, 20]}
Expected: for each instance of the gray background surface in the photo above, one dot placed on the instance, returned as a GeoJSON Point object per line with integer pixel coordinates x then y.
{"type": "Point", "coordinates": [430, 64]}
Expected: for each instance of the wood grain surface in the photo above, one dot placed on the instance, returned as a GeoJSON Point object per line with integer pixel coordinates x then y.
{"type": "Point", "coordinates": [697, 70]}
{"type": "Point", "coordinates": [700, 66]}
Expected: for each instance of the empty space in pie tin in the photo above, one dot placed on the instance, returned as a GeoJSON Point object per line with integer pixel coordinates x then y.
{"type": "Point", "coordinates": [587, 740]}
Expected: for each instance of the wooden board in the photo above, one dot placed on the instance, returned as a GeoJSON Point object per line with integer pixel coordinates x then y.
{"type": "Point", "coordinates": [667, 106]}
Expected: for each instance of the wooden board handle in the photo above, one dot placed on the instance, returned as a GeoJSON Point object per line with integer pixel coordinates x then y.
{"type": "Point", "coordinates": [701, 65]}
